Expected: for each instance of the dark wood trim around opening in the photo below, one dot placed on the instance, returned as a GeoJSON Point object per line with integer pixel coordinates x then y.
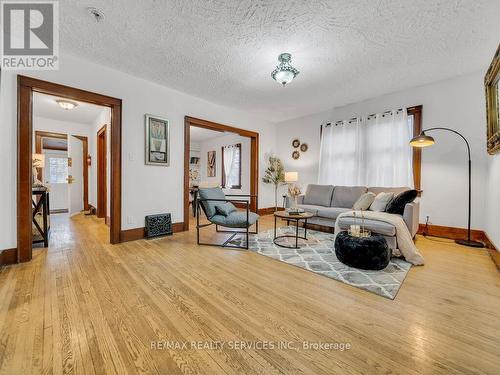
{"type": "Point", "coordinates": [223, 170]}
{"type": "Point", "coordinates": [102, 174]}
{"type": "Point", "coordinates": [25, 88]}
{"type": "Point", "coordinates": [254, 157]}
{"type": "Point", "coordinates": [416, 112]}
{"type": "Point", "coordinates": [85, 142]}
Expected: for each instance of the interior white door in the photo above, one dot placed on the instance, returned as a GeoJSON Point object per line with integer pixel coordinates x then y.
{"type": "Point", "coordinates": [75, 175]}
{"type": "Point", "coordinates": [55, 177]}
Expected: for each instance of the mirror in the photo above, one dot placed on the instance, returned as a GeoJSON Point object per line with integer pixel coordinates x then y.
{"type": "Point", "coordinates": [491, 85]}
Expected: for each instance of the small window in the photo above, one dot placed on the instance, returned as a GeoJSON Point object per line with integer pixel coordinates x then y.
{"type": "Point", "coordinates": [58, 170]}
{"type": "Point", "coordinates": [231, 166]}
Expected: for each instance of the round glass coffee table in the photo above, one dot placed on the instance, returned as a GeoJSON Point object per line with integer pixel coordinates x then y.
{"type": "Point", "coordinates": [291, 217]}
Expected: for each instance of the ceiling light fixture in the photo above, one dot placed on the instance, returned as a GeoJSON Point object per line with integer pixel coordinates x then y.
{"type": "Point", "coordinates": [66, 104]}
{"type": "Point", "coordinates": [284, 72]}
{"type": "Point", "coordinates": [96, 14]}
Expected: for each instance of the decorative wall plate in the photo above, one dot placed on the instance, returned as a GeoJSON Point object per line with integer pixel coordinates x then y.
{"type": "Point", "coordinates": [295, 143]}
{"type": "Point", "coordinates": [304, 147]}
{"type": "Point", "coordinates": [295, 155]}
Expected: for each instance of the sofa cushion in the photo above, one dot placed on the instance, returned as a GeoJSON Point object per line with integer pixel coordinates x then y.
{"type": "Point", "coordinates": [376, 226]}
{"type": "Point", "coordinates": [395, 190]}
{"type": "Point", "coordinates": [381, 201]}
{"type": "Point", "coordinates": [319, 195]}
{"type": "Point", "coordinates": [331, 212]}
{"type": "Point", "coordinates": [397, 205]}
{"type": "Point", "coordinates": [311, 208]}
{"type": "Point", "coordinates": [346, 196]}
{"type": "Point", "coordinates": [364, 202]}
{"type": "Point", "coordinates": [237, 219]}
{"type": "Point", "coordinates": [211, 193]}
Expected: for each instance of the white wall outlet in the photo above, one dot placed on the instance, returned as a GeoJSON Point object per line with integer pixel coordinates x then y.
{"type": "Point", "coordinates": [130, 156]}
{"type": "Point", "coordinates": [130, 219]}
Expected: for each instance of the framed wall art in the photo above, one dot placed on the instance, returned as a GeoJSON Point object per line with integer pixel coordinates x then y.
{"type": "Point", "coordinates": [492, 89]}
{"type": "Point", "coordinates": [157, 140]}
{"type": "Point", "coordinates": [211, 168]}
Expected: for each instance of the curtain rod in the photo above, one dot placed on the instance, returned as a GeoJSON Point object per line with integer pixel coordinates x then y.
{"type": "Point", "coordinates": [361, 118]}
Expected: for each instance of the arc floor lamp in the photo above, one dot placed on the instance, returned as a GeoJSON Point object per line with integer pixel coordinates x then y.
{"type": "Point", "coordinates": [424, 140]}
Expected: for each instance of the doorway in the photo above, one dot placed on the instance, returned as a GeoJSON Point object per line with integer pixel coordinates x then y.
{"type": "Point", "coordinates": [67, 196]}
{"type": "Point", "coordinates": [27, 86]}
{"type": "Point", "coordinates": [254, 158]}
{"type": "Point", "coordinates": [102, 193]}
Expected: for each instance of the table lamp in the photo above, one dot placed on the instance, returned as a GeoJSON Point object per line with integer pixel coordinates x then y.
{"type": "Point", "coordinates": [37, 161]}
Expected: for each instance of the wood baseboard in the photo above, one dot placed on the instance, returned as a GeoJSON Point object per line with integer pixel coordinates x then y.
{"type": "Point", "coordinates": [60, 211]}
{"type": "Point", "coordinates": [139, 233]}
{"type": "Point", "coordinates": [451, 232]}
{"type": "Point", "coordinates": [494, 253]}
{"type": "Point", "coordinates": [458, 233]}
{"type": "Point", "coordinates": [8, 256]}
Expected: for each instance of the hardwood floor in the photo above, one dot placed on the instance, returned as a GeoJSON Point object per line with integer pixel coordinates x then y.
{"type": "Point", "coordinates": [84, 306]}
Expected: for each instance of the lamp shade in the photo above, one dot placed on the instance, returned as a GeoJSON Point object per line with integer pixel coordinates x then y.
{"type": "Point", "coordinates": [38, 160]}
{"type": "Point", "coordinates": [291, 177]}
{"type": "Point", "coordinates": [422, 140]}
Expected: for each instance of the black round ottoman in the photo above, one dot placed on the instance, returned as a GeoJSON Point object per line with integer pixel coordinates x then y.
{"type": "Point", "coordinates": [367, 253]}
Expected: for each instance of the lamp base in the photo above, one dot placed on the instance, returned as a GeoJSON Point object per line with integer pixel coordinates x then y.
{"type": "Point", "coordinates": [470, 243]}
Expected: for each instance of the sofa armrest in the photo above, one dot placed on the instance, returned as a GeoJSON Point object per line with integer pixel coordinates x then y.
{"type": "Point", "coordinates": [289, 200]}
{"type": "Point", "coordinates": [411, 216]}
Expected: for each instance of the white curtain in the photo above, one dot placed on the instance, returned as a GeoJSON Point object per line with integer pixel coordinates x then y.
{"type": "Point", "coordinates": [370, 151]}
{"type": "Point", "coordinates": [228, 164]}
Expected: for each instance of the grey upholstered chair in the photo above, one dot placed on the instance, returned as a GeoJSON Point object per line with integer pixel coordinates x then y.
{"type": "Point", "coordinates": [222, 213]}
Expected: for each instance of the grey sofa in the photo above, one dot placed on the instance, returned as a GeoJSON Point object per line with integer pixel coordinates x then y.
{"type": "Point", "coordinates": [327, 202]}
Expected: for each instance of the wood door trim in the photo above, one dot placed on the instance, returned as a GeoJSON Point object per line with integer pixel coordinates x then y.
{"type": "Point", "coordinates": [416, 111]}
{"type": "Point", "coordinates": [85, 142]}
{"type": "Point", "coordinates": [254, 158]}
{"type": "Point", "coordinates": [25, 88]}
{"type": "Point", "coordinates": [102, 173]}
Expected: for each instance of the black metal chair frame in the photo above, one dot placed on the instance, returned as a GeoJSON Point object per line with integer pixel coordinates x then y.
{"type": "Point", "coordinates": [234, 232]}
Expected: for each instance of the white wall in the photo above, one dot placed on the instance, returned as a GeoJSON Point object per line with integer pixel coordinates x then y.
{"type": "Point", "coordinates": [493, 200]}
{"type": "Point", "coordinates": [458, 104]}
{"type": "Point", "coordinates": [216, 144]}
{"type": "Point", "coordinates": [145, 189]}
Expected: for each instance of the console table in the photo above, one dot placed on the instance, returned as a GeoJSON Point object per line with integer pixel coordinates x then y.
{"type": "Point", "coordinates": [41, 205]}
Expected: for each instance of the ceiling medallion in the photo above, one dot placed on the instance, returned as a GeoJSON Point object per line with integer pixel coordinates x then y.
{"type": "Point", "coordinates": [284, 72]}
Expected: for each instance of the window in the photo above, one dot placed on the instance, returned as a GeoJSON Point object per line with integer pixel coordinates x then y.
{"type": "Point", "coordinates": [231, 166]}
{"type": "Point", "coordinates": [371, 151]}
{"type": "Point", "coordinates": [58, 170]}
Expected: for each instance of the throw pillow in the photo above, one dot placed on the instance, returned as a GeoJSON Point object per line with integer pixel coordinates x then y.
{"type": "Point", "coordinates": [364, 201]}
{"type": "Point", "coordinates": [225, 209]}
{"type": "Point", "coordinates": [381, 201]}
{"type": "Point", "coordinates": [397, 205]}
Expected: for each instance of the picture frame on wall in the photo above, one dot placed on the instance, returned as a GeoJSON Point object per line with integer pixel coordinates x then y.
{"type": "Point", "coordinates": [492, 90]}
{"type": "Point", "coordinates": [211, 155]}
{"type": "Point", "coordinates": [157, 140]}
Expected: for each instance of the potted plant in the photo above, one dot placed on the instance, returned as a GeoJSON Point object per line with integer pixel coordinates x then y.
{"type": "Point", "coordinates": [274, 174]}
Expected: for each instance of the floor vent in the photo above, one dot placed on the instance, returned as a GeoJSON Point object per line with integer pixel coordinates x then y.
{"type": "Point", "coordinates": [158, 225]}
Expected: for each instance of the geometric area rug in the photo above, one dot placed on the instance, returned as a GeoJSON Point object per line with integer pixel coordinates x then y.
{"type": "Point", "coordinates": [317, 255]}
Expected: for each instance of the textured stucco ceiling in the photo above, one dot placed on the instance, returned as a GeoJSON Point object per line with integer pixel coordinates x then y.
{"type": "Point", "coordinates": [346, 50]}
